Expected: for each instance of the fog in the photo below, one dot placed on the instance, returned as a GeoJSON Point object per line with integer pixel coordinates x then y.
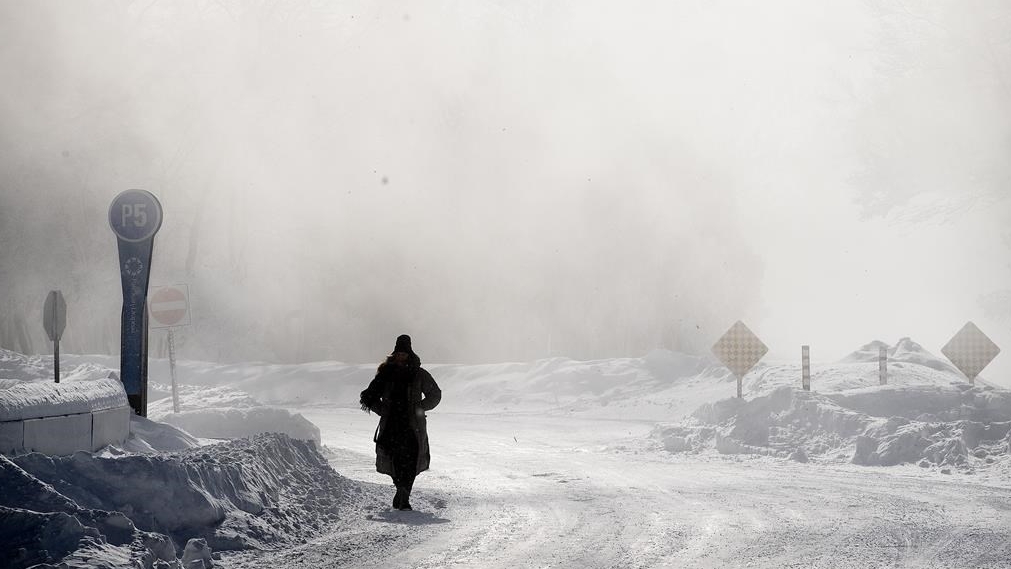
{"type": "Point", "coordinates": [511, 180]}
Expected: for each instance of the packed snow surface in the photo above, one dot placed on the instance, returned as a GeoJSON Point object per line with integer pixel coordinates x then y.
{"type": "Point", "coordinates": [628, 462]}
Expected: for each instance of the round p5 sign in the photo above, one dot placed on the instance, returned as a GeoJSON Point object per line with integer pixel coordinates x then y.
{"type": "Point", "coordinates": [135, 215]}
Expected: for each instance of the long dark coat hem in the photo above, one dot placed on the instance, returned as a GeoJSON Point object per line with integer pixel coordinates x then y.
{"type": "Point", "coordinates": [424, 394]}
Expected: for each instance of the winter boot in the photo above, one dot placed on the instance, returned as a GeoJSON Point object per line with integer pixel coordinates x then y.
{"type": "Point", "coordinates": [405, 501]}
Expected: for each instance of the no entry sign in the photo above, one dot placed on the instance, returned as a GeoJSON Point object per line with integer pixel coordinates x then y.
{"type": "Point", "coordinates": [169, 306]}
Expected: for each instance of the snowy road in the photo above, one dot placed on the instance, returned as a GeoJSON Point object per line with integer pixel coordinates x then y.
{"type": "Point", "coordinates": [522, 491]}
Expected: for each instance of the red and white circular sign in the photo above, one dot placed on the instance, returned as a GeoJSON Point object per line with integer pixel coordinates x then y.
{"type": "Point", "coordinates": [169, 306]}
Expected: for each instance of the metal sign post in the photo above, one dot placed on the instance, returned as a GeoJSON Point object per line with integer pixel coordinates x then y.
{"type": "Point", "coordinates": [54, 320]}
{"type": "Point", "coordinates": [805, 362]}
{"type": "Point", "coordinates": [739, 349]}
{"type": "Point", "coordinates": [883, 364]}
{"type": "Point", "coordinates": [169, 308]}
{"type": "Point", "coordinates": [135, 217]}
{"type": "Point", "coordinates": [970, 350]}
{"type": "Point", "coordinates": [172, 370]}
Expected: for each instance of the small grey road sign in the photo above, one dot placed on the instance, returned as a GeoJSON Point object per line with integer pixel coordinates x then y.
{"type": "Point", "coordinates": [970, 350]}
{"type": "Point", "coordinates": [739, 349]}
{"type": "Point", "coordinates": [54, 315]}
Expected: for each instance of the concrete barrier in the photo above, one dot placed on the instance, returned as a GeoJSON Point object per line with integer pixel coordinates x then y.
{"type": "Point", "coordinates": [35, 399]}
{"type": "Point", "coordinates": [12, 437]}
{"type": "Point", "coordinates": [66, 434]}
{"type": "Point", "coordinates": [60, 419]}
{"type": "Point", "coordinates": [111, 426]}
{"type": "Point", "coordinates": [58, 435]}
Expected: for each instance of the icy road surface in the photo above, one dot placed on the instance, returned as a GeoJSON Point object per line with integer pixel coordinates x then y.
{"type": "Point", "coordinates": [528, 491]}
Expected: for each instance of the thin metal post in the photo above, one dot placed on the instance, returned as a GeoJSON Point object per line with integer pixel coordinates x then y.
{"type": "Point", "coordinates": [56, 360]}
{"type": "Point", "coordinates": [172, 370]}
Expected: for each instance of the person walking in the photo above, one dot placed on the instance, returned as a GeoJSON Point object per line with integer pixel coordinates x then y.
{"type": "Point", "coordinates": [401, 392]}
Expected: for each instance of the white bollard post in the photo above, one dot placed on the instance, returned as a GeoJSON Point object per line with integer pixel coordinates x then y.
{"type": "Point", "coordinates": [883, 364]}
{"type": "Point", "coordinates": [805, 360]}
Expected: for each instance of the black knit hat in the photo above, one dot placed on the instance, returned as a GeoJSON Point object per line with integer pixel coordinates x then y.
{"type": "Point", "coordinates": [403, 344]}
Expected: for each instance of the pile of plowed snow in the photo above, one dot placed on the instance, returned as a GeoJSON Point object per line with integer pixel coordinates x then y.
{"type": "Point", "coordinates": [924, 415]}
{"type": "Point", "coordinates": [90, 510]}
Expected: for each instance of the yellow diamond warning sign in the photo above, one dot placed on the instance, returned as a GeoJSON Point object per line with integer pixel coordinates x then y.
{"type": "Point", "coordinates": [970, 350]}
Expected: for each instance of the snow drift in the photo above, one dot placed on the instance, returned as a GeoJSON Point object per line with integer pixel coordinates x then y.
{"type": "Point", "coordinates": [227, 413]}
{"type": "Point", "coordinates": [264, 492]}
{"type": "Point", "coordinates": [147, 436]}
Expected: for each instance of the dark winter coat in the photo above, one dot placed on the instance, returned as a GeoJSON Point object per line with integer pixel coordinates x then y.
{"type": "Point", "coordinates": [423, 394]}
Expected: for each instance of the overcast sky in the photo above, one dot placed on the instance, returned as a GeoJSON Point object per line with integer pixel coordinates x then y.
{"type": "Point", "coordinates": [517, 179]}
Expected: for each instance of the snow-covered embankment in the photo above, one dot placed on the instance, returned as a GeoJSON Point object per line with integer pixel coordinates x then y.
{"type": "Point", "coordinates": [925, 415]}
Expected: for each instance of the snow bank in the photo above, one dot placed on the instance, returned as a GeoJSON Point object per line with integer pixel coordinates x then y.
{"type": "Point", "coordinates": [226, 412]}
{"type": "Point", "coordinates": [929, 402]}
{"type": "Point", "coordinates": [236, 423]}
{"type": "Point", "coordinates": [24, 368]}
{"type": "Point", "coordinates": [188, 492]}
{"type": "Point", "coordinates": [791, 423]}
{"type": "Point", "coordinates": [781, 423]}
{"type": "Point", "coordinates": [147, 436]}
{"type": "Point", "coordinates": [957, 443]}
{"type": "Point", "coordinates": [905, 351]}
{"type": "Point", "coordinates": [264, 492]}
{"type": "Point", "coordinates": [19, 367]}
{"type": "Point", "coordinates": [39, 525]}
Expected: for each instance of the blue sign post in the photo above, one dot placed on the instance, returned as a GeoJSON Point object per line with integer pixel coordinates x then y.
{"type": "Point", "coordinates": [135, 217]}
